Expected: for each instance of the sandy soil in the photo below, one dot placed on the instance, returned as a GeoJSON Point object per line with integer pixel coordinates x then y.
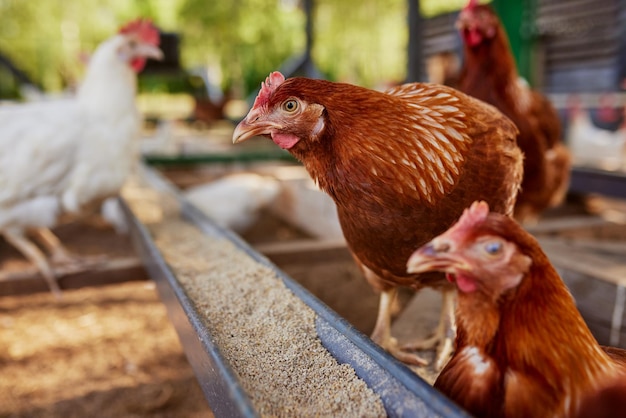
{"type": "Point", "coordinates": [102, 351]}
{"type": "Point", "coordinates": [106, 352]}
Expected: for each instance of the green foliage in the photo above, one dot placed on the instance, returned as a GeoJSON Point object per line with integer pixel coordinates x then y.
{"type": "Point", "coordinates": [246, 39]}
{"type": "Point", "coordinates": [49, 39]}
{"type": "Point", "coordinates": [241, 41]}
{"type": "Point", "coordinates": [430, 8]}
{"type": "Point", "coordinates": [8, 86]}
{"type": "Point", "coordinates": [362, 42]}
{"type": "Point", "coordinates": [170, 83]}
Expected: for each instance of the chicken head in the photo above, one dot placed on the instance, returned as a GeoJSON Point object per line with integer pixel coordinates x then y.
{"type": "Point", "coordinates": [140, 41]}
{"type": "Point", "coordinates": [476, 24]}
{"type": "Point", "coordinates": [473, 255]}
{"type": "Point", "coordinates": [285, 119]}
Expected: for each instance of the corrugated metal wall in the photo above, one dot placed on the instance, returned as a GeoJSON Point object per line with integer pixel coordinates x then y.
{"type": "Point", "coordinates": [440, 35]}
{"type": "Point", "coordinates": [579, 44]}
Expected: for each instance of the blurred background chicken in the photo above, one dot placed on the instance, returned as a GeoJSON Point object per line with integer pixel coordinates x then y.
{"type": "Point", "coordinates": [235, 201]}
{"type": "Point", "coordinates": [593, 145]}
{"type": "Point", "coordinates": [489, 73]}
{"type": "Point", "coordinates": [59, 156]}
{"type": "Point", "coordinates": [523, 349]}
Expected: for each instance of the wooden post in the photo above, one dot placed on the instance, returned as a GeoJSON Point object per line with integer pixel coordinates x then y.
{"type": "Point", "coordinates": [415, 67]}
{"type": "Point", "coordinates": [309, 67]}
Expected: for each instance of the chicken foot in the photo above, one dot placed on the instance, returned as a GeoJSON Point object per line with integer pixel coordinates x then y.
{"type": "Point", "coordinates": [382, 331]}
{"type": "Point", "coordinates": [34, 254]}
{"type": "Point", "coordinates": [444, 335]}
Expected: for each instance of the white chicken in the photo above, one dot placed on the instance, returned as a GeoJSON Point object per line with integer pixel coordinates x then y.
{"type": "Point", "coordinates": [591, 145]}
{"type": "Point", "coordinates": [58, 156]}
{"type": "Point", "coordinates": [234, 201]}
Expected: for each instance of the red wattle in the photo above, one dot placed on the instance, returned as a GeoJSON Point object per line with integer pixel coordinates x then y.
{"type": "Point", "coordinates": [137, 64]}
{"type": "Point", "coordinates": [285, 141]}
{"type": "Point", "coordinates": [465, 284]}
{"type": "Point", "coordinates": [473, 37]}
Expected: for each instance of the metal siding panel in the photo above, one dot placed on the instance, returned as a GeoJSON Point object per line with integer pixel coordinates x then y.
{"type": "Point", "coordinates": [440, 34]}
{"type": "Point", "coordinates": [581, 43]}
{"type": "Point", "coordinates": [581, 80]}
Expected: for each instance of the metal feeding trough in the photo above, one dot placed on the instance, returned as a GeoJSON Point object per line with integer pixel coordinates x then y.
{"type": "Point", "coordinates": [401, 391]}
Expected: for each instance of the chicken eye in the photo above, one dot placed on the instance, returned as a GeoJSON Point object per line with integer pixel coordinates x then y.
{"type": "Point", "coordinates": [493, 247]}
{"type": "Point", "coordinates": [290, 106]}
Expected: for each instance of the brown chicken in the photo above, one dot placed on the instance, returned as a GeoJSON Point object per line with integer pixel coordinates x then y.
{"type": "Point", "coordinates": [523, 349]}
{"type": "Point", "coordinates": [489, 74]}
{"type": "Point", "coordinates": [400, 166]}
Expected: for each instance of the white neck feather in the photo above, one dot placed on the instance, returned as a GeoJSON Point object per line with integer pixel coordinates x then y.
{"type": "Point", "coordinates": [110, 84]}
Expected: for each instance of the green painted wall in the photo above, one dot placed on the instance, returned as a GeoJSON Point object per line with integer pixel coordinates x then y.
{"type": "Point", "coordinates": [515, 15]}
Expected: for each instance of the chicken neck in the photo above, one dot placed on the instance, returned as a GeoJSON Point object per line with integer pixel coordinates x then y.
{"type": "Point", "coordinates": [489, 69]}
{"type": "Point", "coordinates": [110, 85]}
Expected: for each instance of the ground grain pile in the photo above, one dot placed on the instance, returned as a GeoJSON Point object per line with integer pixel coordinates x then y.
{"type": "Point", "coordinates": [265, 332]}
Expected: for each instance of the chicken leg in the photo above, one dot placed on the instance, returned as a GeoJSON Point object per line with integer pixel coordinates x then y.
{"type": "Point", "coordinates": [59, 254]}
{"type": "Point", "coordinates": [444, 335]}
{"type": "Point", "coordinates": [34, 254]}
{"type": "Point", "coordinates": [382, 331]}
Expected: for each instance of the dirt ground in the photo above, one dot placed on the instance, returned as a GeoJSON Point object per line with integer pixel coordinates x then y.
{"type": "Point", "coordinates": [107, 352]}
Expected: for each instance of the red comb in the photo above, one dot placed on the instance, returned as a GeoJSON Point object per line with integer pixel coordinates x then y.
{"type": "Point", "coordinates": [472, 217]}
{"type": "Point", "coordinates": [471, 4]}
{"type": "Point", "coordinates": [144, 29]}
{"type": "Point", "coordinates": [272, 81]}
{"type": "Point", "coordinates": [474, 214]}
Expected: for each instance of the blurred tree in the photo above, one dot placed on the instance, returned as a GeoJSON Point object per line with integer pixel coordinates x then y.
{"type": "Point", "coordinates": [50, 39]}
{"type": "Point", "coordinates": [239, 41]}
{"type": "Point", "coordinates": [362, 42]}
{"type": "Point", "coordinates": [245, 39]}
{"type": "Point", "coordinates": [430, 8]}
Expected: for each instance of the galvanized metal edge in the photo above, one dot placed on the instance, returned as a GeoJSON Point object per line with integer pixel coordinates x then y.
{"type": "Point", "coordinates": [403, 393]}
